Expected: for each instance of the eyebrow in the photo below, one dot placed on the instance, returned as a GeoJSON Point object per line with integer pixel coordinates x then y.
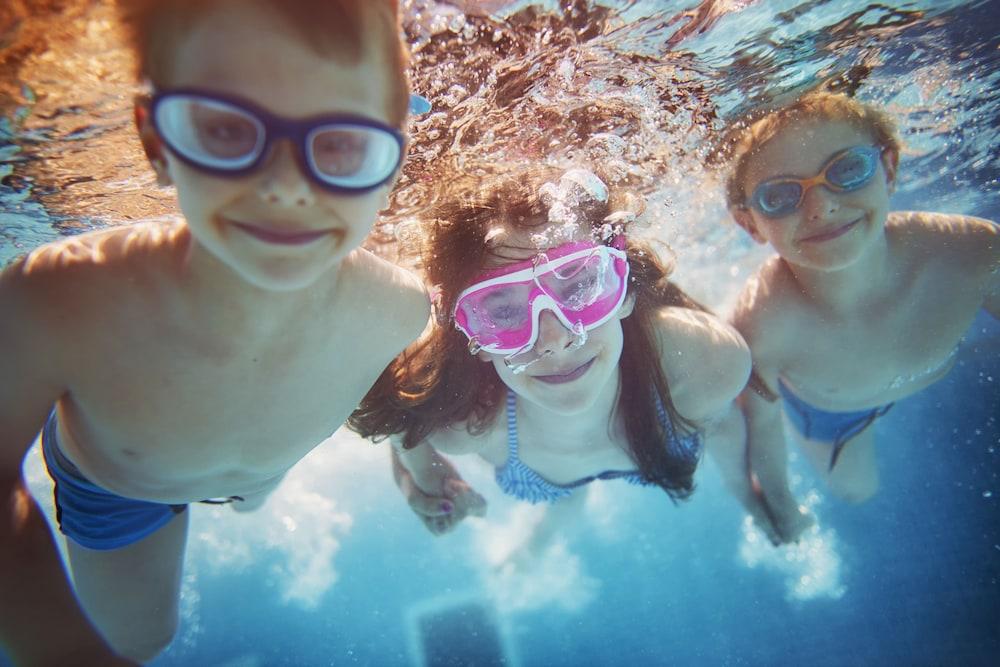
{"type": "Point", "coordinates": [823, 165]}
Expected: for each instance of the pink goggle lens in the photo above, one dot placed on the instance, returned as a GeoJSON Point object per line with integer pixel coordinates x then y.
{"type": "Point", "coordinates": [585, 286]}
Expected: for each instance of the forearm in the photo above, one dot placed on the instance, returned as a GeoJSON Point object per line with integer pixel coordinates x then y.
{"type": "Point", "coordinates": [725, 443]}
{"type": "Point", "coordinates": [766, 450]}
{"type": "Point", "coordinates": [420, 462]}
{"type": "Point", "coordinates": [41, 622]}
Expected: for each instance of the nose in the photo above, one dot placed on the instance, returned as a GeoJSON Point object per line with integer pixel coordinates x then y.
{"type": "Point", "coordinates": [819, 202]}
{"type": "Point", "coordinates": [282, 182]}
{"type": "Point", "coordinates": [553, 336]}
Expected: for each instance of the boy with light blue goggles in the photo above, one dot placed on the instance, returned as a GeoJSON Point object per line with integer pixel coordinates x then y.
{"type": "Point", "coordinates": [849, 170]}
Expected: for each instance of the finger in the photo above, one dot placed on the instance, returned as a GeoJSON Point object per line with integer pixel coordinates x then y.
{"type": "Point", "coordinates": [763, 523]}
{"type": "Point", "coordinates": [475, 504]}
{"type": "Point", "coordinates": [437, 525]}
{"type": "Point", "coordinates": [422, 503]}
{"type": "Point", "coordinates": [430, 506]}
{"type": "Point", "coordinates": [467, 500]}
{"type": "Point", "coordinates": [449, 523]}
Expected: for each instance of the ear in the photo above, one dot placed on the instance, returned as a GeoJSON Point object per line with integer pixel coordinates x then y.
{"type": "Point", "coordinates": [743, 218]}
{"type": "Point", "coordinates": [890, 162]}
{"type": "Point", "coordinates": [151, 143]}
{"type": "Point", "coordinates": [628, 305]}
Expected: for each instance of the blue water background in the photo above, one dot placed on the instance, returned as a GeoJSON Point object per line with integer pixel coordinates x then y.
{"type": "Point", "coordinates": [921, 563]}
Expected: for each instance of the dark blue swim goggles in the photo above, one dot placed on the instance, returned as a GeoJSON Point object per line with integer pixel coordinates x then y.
{"type": "Point", "coordinates": [848, 170]}
{"type": "Point", "coordinates": [230, 137]}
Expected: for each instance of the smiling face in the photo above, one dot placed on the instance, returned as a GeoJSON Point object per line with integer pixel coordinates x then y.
{"type": "Point", "coordinates": [274, 227]}
{"type": "Point", "coordinates": [566, 379]}
{"type": "Point", "coordinates": [829, 230]}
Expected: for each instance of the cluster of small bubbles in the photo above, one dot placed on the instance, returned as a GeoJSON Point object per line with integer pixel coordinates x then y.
{"type": "Point", "coordinates": [494, 234]}
{"type": "Point", "coordinates": [455, 94]}
{"type": "Point", "coordinates": [565, 69]}
{"type": "Point", "coordinates": [542, 239]}
{"type": "Point", "coordinates": [543, 82]}
{"type": "Point", "coordinates": [811, 567]}
{"type": "Point", "coordinates": [190, 611]}
{"type": "Point", "coordinates": [407, 231]}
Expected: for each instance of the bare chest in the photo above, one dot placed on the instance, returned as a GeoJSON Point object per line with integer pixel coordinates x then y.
{"type": "Point", "coordinates": [182, 417]}
{"type": "Point", "coordinates": [878, 357]}
{"type": "Point", "coordinates": [562, 461]}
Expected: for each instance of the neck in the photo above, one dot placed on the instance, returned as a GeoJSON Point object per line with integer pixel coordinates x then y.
{"type": "Point", "coordinates": [846, 288]}
{"type": "Point", "coordinates": [221, 296]}
{"type": "Point", "coordinates": [570, 432]}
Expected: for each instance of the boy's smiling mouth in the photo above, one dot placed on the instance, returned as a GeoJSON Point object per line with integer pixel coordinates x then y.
{"type": "Point", "coordinates": [288, 237]}
{"type": "Point", "coordinates": [831, 233]}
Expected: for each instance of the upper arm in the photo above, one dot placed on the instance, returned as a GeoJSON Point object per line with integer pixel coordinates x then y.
{"type": "Point", "coordinates": [401, 295]}
{"type": "Point", "coordinates": [29, 383]}
{"type": "Point", "coordinates": [705, 360]}
{"type": "Point", "coordinates": [988, 242]}
{"type": "Point", "coordinates": [456, 440]}
{"type": "Point", "coordinates": [414, 305]}
{"type": "Point", "coordinates": [762, 318]}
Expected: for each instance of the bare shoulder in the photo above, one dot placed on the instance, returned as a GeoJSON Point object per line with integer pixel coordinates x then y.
{"type": "Point", "coordinates": [961, 250]}
{"type": "Point", "coordinates": [400, 295]}
{"type": "Point", "coordinates": [58, 297]}
{"type": "Point", "coordinates": [73, 276]}
{"type": "Point", "coordinates": [705, 360]}
{"type": "Point", "coordinates": [950, 237]}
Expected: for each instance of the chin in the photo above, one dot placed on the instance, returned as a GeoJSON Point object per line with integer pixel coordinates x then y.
{"type": "Point", "coordinates": [565, 408]}
{"type": "Point", "coordinates": [284, 278]}
{"type": "Point", "coordinates": [564, 400]}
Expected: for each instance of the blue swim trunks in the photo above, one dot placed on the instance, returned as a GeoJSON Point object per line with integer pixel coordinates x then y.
{"type": "Point", "coordinates": [835, 427]}
{"type": "Point", "coordinates": [89, 515]}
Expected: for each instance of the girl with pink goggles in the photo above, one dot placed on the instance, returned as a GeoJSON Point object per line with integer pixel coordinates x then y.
{"type": "Point", "coordinates": [582, 283]}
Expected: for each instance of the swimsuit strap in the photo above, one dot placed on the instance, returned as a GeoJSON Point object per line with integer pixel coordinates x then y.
{"type": "Point", "coordinates": [512, 425]}
{"type": "Point", "coordinates": [856, 430]}
{"type": "Point", "coordinates": [677, 445]}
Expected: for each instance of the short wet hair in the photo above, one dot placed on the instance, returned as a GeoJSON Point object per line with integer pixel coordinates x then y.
{"type": "Point", "coordinates": [746, 141]}
{"type": "Point", "coordinates": [332, 28]}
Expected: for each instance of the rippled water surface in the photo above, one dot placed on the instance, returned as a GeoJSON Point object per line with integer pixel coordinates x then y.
{"type": "Point", "coordinates": [334, 570]}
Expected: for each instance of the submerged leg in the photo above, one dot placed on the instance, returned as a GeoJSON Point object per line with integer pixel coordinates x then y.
{"type": "Point", "coordinates": [132, 594]}
{"type": "Point", "coordinates": [249, 502]}
{"type": "Point", "coordinates": [855, 476]}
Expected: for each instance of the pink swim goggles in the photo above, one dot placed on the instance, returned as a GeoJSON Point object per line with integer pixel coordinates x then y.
{"type": "Point", "coordinates": [582, 283]}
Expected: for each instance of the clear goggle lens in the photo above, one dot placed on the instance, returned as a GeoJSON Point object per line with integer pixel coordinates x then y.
{"type": "Point", "coordinates": [223, 137]}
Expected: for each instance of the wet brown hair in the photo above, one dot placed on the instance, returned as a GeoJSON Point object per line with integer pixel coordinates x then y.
{"type": "Point", "coordinates": [339, 29]}
{"type": "Point", "coordinates": [748, 138]}
{"type": "Point", "coordinates": [436, 383]}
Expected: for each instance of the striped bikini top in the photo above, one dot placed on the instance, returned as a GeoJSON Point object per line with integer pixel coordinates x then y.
{"type": "Point", "coordinates": [518, 480]}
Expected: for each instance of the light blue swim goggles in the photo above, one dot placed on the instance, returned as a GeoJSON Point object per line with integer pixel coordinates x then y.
{"type": "Point", "coordinates": [228, 136]}
{"type": "Point", "coordinates": [848, 170]}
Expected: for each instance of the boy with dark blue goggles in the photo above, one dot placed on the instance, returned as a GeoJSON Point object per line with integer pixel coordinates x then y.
{"type": "Point", "coordinates": [227, 136]}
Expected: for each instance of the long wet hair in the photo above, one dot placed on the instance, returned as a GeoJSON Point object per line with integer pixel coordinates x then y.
{"type": "Point", "coordinates": [437, 383]}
